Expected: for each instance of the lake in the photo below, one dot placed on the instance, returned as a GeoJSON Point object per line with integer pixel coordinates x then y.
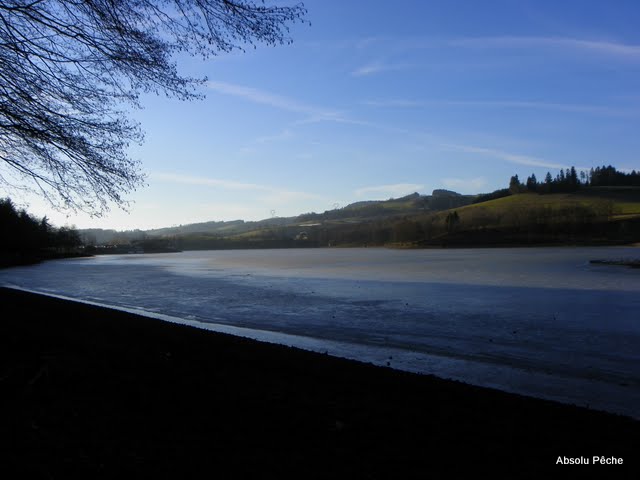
{"type": "Point", "coordinates": [538, 321]}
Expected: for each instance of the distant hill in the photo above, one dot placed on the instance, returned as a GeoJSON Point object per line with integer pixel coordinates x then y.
{"type": "Point", "coordinates": [591, 215]}
{"type": "Point", "coordinates": [352, 213]}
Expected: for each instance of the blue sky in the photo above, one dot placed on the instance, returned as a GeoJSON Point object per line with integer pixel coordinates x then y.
{"type": "Point", "coordinates": [379, 99]}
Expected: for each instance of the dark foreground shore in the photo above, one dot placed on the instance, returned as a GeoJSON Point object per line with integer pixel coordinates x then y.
{"type": "Point", "coordinates": [94, 393]}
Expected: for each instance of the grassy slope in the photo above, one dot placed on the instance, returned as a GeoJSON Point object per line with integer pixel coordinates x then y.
{"type": "Point", "coordinates": [601, 200]}
{"type": "Point", "coordinates": [593, 215]}
{"type": "Point", "coordinates": [608, 215]}
{"type": "Point", "coordinates": [611, 202]}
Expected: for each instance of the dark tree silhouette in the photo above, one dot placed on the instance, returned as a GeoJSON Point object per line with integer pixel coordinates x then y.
{"type": "Point", "coordinates": [68, 67]}
{"type": "Point", "coordinates": [26, 239]}
{"type": "Point", "coordinates": [609, 176]}
{"type": "Point", "coordinates": [452, 220]}
{"type": "Point", "coordinates": [514, 184]}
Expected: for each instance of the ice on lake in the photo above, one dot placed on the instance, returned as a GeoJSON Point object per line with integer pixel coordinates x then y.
{"type": "Point", "coordinates": [537, 321]}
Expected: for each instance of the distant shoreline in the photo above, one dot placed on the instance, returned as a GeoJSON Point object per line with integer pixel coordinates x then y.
{"type": "Point", "coordinates": [622, 262]}
{"type": "Point", "coordinates": [9, 260]}
{"type": "Point", "coordinates": [19, 259]}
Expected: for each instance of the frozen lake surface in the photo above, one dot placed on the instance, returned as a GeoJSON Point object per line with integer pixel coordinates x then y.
{"type": "Point", "coordinates": [537, 321]}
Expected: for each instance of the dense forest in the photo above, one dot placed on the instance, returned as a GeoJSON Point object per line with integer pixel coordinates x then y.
{"type": "Point", "coordinates": [27, 239]}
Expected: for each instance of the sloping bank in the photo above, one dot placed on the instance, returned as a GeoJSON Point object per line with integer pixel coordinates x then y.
{"type": "Point", "coordinates": [90, 392]}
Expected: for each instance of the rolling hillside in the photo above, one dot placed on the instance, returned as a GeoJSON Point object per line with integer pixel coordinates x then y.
{"type": "Point", "coordinates": [594, 215]}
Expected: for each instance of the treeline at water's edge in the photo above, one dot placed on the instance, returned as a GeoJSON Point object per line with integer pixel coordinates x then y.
{"type": "Point", "coordinates": [27, 239]}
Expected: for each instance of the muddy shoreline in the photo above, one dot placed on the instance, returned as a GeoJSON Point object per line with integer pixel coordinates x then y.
{"type": "Point", "coordinates": [88, 391]}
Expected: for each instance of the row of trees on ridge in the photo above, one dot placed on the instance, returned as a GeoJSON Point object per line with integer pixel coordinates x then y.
{"type": "Point", "coordinates": [570, 180]}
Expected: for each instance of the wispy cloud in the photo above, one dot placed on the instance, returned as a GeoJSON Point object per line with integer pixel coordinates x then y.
{"type": "Point", "coordinates": [506, 156]}
{"type": "Point", "coordinates": [208, 182]}
{"type": "Point", "coordinates": [394, 103]}
{"type": "Point", "coordinates": [608, 48]}
{"type": "Point", "coordinates": [465, 184]}
{"type": "Point", "coordinates": [267, 192]}
{"type": "Point", "coordinates": [360, 123]}
{"type": "Point", "coordinates": [336, 118]}
{"type": "Point", "coordinates": [394, 190]}
{"type": "Point", "coordinates": [313, 113]}
{"type": "Point", "coordinates": [552, 106]}
{"type": "Point", "coordinates": [368, 69]}
{"type": "Point", "coordinates": [283, 135]}
{"type": "Point", "coordinates": [267, 98]}
{"type": "Point", "coordinates": [394, 45]}
{"type": "Point", "coordinates": [397, 45]}
{"type": "Point", "coordinates": [512, 104]}
{"type": "Point", "coordinates": [378, 67]}
{"type": "Point", "coordinates": [365, 42]}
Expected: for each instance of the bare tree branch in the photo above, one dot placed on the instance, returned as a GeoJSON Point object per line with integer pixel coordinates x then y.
{"type": "Point", "coordinates": [65, 66]}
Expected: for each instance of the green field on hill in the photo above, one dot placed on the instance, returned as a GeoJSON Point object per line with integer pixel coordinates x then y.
{"type": "Point", "coordinates": [605, 215]}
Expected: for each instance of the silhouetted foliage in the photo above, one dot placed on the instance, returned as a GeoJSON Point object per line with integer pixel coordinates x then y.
{"type": "Point", "coordinates": [25, 238]}
{"type": "Point", "coordinates": [67, 67]}
{"type": "Point", "coordinates": [452, 220]}
{"type": "Point", "coordinates": [485, 197]}
{"type": "Point", "coordinates": [610, 177]}
{"type": "Point", "coordinates": [570, 180]}
{"type": "Point", "coordinates": [514, 185]}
